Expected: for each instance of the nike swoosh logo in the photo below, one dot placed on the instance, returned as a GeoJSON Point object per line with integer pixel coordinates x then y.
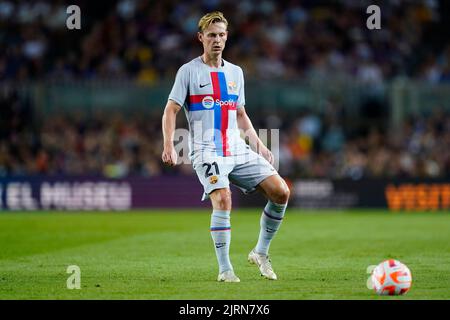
{"type": "Point", "coordinates": [204, 85]}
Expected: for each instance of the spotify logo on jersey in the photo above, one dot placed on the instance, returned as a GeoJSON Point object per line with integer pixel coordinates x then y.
{"type": "Point", "coordinates": [208, 102]}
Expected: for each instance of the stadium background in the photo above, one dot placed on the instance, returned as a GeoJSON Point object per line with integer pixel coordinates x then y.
{"type": "Point", "coordinates": [363, 115]}
{"type": "Point", "coordinates": [351, 103]}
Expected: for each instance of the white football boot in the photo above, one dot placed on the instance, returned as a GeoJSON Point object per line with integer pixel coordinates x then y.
{"type": "Point", "coordinates": [228, 276]}
{"type": "Point", "coordinates": [263, 262]}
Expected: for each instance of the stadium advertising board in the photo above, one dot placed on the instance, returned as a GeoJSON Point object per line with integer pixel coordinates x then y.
{"type": "Point", "coordinates": [87, 193]}
{"type": "Point", "coordinates": [411, 195]}
{"type": "Point", "coordinates": [421, 196]}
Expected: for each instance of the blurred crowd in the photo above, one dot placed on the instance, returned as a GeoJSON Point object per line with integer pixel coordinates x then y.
{"type": "Point", "coordinates": [147, 41]}
{"type": "Point", "coordinates": [311, 145]}
{"type": "Point", "coordinates": [316, 147]}
{"type": "Point", "coordinates": [77, 143]}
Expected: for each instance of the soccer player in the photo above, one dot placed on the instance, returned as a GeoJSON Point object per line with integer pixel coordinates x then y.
{"type": "Point", "coordinates": [211, 91]}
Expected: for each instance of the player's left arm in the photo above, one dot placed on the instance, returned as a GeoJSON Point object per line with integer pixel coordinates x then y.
{"type": "Point", "coordinates": [244, 123]}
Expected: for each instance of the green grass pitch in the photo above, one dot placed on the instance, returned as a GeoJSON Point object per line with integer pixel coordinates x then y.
{"type": "Point", "coordinates": [168, 254]}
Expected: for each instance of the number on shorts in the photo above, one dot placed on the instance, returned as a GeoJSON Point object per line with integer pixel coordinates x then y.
{"type": "Point", "coordinates": [208, 169]}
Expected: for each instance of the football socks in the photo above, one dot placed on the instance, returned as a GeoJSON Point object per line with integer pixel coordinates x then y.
{"type": "Point", "coordinates": [221, 235]}
{"type": "Point", "coordinates": [270, 222]}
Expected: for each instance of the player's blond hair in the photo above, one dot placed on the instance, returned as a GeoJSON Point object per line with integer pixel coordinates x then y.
{"type": "Point", "coordinates": [210, 18]}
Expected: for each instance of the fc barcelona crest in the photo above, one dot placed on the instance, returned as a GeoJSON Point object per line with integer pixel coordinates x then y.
{"type": "Point", "coordinates": [232, 86]}
{"type": "Point", "coordinates": [213, 179]}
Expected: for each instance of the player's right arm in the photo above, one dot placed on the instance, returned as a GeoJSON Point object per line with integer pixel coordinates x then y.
{"type": "Point", "coordinates": [169, 155]}
{"type": "Point", "coordinates": [177, 97]}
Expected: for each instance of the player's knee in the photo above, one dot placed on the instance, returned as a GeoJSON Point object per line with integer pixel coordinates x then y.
{"type": "Point", "coordinates": [281, 194]}
{"type": "Point", "coordinates": [222, 199]}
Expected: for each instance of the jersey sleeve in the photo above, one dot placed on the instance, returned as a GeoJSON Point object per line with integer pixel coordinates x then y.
{"type": "Point", "coordinates": [181, 86]}
{"type": "Point", "coordinates": [241, 96]}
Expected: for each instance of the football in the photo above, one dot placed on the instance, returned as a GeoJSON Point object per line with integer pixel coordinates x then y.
{"type": "Point", "coordinates": [391, 277]}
